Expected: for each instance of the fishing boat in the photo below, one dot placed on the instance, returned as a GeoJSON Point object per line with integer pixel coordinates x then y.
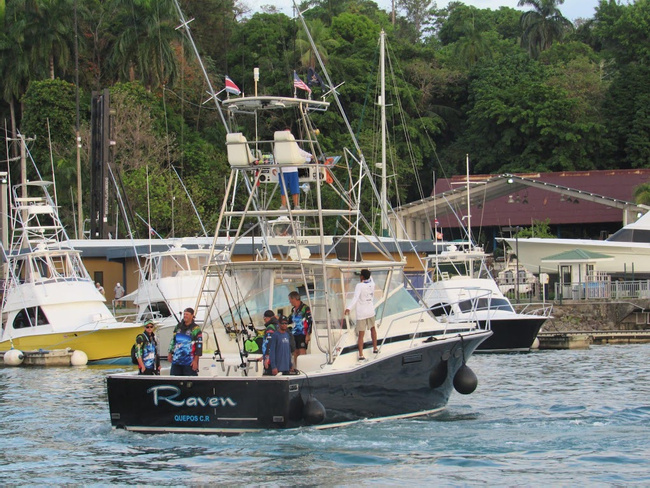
{"type": "Point", "coordinates": [170, 281]}
{"type": "Point", "coordinates": [460, 287]}
{"type": "Point", "coordinates": [311, 248]}
{"type": "Point", "coordinates": [50, 300]}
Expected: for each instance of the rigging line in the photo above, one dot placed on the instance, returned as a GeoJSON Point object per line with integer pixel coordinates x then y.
{"type": "Point", "coordinates": [196, 212]}
{"type": "Point", "coordinates": [125, 218]}
{"type": "Point", "coordinates": [184, 100]}
{"type": "Point", "coordinates": [151, 229]}
{"type": "Point", "coordinates": [185, 25]}
{"type": "Point", "coordinates": [402, 116]}
{"type": "Point", "coordinates": [401, 113]}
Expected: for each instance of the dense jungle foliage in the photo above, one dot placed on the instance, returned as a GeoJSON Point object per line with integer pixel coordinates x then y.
{"type": "Point", "coordinates": [518, 91]}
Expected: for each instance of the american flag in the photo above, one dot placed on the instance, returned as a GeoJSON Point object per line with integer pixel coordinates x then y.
{"type": "Point", "coordinates": [231, 87]}
{"type": "Point", "coordinates": [298, 83]}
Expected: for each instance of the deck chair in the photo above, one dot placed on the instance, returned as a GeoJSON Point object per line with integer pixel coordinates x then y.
{"type": "Point", "coordinates": [239, 154]}
{"type": "Point", "coordinates": [286, 150]}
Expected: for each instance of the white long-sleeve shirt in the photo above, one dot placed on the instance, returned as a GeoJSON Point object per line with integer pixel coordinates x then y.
{"type": "Point", "coordinates": [364, 295]}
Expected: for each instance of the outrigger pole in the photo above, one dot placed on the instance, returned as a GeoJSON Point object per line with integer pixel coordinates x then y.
{"type": "Point", "coordinates": [185, 25]}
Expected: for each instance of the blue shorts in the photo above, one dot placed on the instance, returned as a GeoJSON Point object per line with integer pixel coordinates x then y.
{"type": "Point", "coordinates": [291, 181]}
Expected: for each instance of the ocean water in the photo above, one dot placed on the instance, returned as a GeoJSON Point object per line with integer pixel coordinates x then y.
{"type": "Point", "coordinates": [560, 418]}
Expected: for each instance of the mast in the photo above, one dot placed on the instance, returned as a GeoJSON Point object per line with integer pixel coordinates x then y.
{"type": "Point", "coordinates": [80, 215]}
{"type": "Point", "coordinates": [469, 214]}
{"type": "Point", "coordinates": [382, 104]}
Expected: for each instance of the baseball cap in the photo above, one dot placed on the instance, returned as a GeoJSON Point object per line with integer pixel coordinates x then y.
{"type": "Point", "coordinates": [269, 313]}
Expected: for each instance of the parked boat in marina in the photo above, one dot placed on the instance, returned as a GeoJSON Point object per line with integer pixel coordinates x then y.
{"type": "Point", "coordinates": [629, 247]}
{"type": "Point", "coordinates": [420, 359]}
{"type": "Point", "coordinates": [50, 300]}
{"type": "Point", "coordinates": [169, 282]}
{"type": "Point", "coordinates": [460, 287]}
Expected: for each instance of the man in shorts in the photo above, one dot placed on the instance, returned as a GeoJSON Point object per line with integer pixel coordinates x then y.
{"type": "Point", "coordinates": [363, 299]}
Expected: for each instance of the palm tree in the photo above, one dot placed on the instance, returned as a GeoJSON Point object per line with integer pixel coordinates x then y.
{"type": "Point", "coordinates": [472, 46]}
{"type": "Point", "coordinates": [322, 39]}
{"type": "Point", "coordinates": [51, 36]}
{"type": "Point", "coordinates": [144, 49]}
{"type": "Point", "coordinates": [15, 65]}
{"type": "Point", "coordinates": [642, 194]}
{"type": "Point", "coordinates": [543, 25]}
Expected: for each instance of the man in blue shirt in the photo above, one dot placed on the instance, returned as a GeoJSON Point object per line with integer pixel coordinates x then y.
{"type": "Point", "coordinates": [186, 346]}
{"type": "Point", "coordinates": [146, 351]}
{"type": "Point", "coordinates": [280, 349]}
{"type": "Point", "coordinates": [302, 322]}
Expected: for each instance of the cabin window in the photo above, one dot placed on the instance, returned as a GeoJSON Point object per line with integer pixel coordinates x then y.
{"type": "Point", "coordinates": [631, 235]}
{"type": "Point", "coordinates": [486, 304]}
{"type": "Point", "coordinates": [156, 311]}
{"type": "Point", "coordinates": [30, 317]}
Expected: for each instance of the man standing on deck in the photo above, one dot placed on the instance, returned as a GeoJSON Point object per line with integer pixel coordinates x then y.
{"type": "Point", "coordinates": [271, 325]}
{"type": "Point", "coordinates": [301, 319]}
{"type": "Point", "coordinates": [364, 294]}
{"type": "Point", "coordinates": [186, 346]}
{"type": "Point", "coordinates": [280, 349]}
{"type": "Point", "coordinates": [146, 350]}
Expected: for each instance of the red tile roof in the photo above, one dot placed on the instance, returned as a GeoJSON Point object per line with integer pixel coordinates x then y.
{"type": "Point", "coordinates": [619, 184]}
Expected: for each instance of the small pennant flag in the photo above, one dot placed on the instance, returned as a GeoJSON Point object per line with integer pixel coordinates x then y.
{"type": "Point", "coordinates": [298, 83]}
{"type": "Point", "coordinates": [231, 87]}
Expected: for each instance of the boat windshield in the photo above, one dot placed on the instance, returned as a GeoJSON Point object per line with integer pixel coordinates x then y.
{"type": "Point", "coordinates": [175, 264]}
{"type": "Point", "coordinates": [486, 304]}
{"type": "Point", "coordinates": [631, 235]}
{"type": "Point", "coordinates": [256, 296]}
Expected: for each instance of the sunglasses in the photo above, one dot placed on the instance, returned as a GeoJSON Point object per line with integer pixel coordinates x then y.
{"type": "Point", "coordinates": [148, 326]}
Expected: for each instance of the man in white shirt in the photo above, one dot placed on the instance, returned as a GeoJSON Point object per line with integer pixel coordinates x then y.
{"type": "Point", "coordinates": [364, 294]}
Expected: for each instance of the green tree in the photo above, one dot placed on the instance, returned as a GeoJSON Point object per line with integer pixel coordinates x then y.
{"type": "Point", "coordinates": [49, 115]}
{"type": "Point", "coordinates": [418, 12]}
{"type": "Point", "coordinates": [322, 39]}
{"type": "Point", "coordinates": [642, 194]}
{"type": "Point", "coordinates": [144, 47]}
{"type": "Point", "coordinates": [543, 25]}
{"type": "Point", "coordinates": [472, 46]}
{"type": "Point", "coordinates": [52, 36]}
{"type": "Point", "coordinates": [540, 228]}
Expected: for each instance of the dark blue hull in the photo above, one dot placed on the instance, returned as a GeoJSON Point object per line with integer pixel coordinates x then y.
{"type": "Point", "coordinates": [416, 382]}
{"type": "Point", "coordinates": [512, 335]}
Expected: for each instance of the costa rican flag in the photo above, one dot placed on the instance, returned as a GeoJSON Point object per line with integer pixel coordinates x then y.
{"type": "Point", "coordinates": [298, 83]}
{"type": "Point", "coordinates": [231, 87]}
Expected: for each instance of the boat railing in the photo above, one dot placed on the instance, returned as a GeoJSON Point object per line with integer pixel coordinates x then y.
{"type": "Point", "coordinates": [470, 318]}
{"type": "Point", "coordinates": [538, 309]}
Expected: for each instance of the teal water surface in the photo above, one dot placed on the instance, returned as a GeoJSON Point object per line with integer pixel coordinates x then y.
{"type": "Point", "coordinates": [561, 418]}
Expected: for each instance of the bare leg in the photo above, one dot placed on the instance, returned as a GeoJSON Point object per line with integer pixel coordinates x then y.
{"type": "Point", "coordinates": [284, 200]}
{"type": "Point", "coordinates": [373, 333]}
{"type": "Point", "coordinates": [360, 343]}
{"type": "Point", "coordinates": [296, 200]}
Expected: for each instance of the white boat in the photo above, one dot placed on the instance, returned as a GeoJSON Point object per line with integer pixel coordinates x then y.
{"type": "Point", "coordinates": [169, 282]}
{"type": "Point", "coordinates": [460, 287]}
{"type": "Point", "coordinates": [50, 300]}
{"type": "Point", "coordinates": [516, 281]}
{"type": "Point", "coordinates": [420, 359]}
{"type": "Point", "coordinates": [629, 247]}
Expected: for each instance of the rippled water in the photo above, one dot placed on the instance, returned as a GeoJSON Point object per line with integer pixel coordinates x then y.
{"type": "Point", "coordinates": [552, 417]}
